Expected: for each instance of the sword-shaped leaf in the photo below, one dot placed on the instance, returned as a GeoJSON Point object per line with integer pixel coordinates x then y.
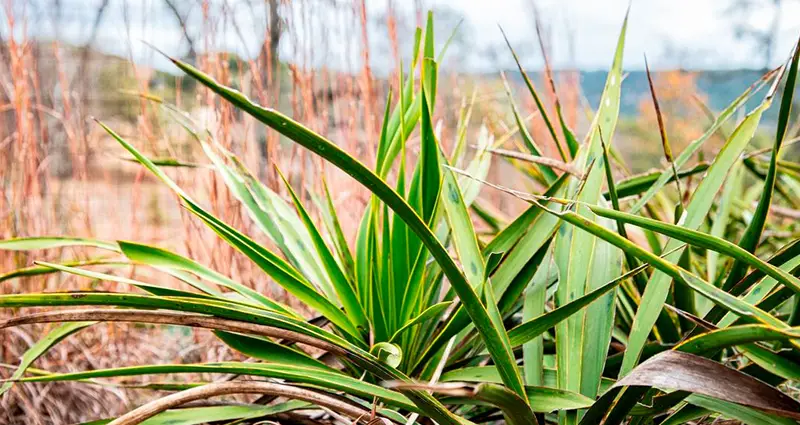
{"type": "Point", "coordinates": [501, 353]}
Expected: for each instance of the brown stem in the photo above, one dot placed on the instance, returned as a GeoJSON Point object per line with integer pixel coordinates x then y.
{"type": "Point", "coordinates": [170, 318]}
{"type": "Point", "coordinates": [155, 407]}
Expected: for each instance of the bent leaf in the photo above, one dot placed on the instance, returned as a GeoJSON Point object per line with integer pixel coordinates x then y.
{"type": "Point", "coordinates": [687, 372]}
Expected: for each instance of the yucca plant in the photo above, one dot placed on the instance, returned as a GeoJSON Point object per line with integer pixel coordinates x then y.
{"type": "Point", "coordinates": [423, 321]}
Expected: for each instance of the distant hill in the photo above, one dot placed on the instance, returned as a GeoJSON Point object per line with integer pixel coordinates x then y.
{"type": "Point", "coordinates": [721, 88]}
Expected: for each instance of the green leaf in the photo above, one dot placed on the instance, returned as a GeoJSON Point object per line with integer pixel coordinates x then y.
{"type": "Point", "coordinates": [685, 414]}
{"type": "Point", "coordinates": [428, 314]}
{"type": "Point", "coordinates": [158, 257]}
{"type": "Point", "coordinates": [388, 353]}
{"type": "Point", "coordinates": [335, 229]}
{"type": "Point", "coordinates": [535, 327]}
{"type": "Point", "coordinates": [463, 232]}
{"type": "Point", "coordinates": [365, 252]}
{"type": "Point", "coordinates": [536, 99]}
{"type": "Point", "coordinates": [464, 116]}
{"type": "Point", "coordinates": [722, 218]}
{"type": "Point", "coordinates": [478, 166]}
{"type": "Point", "coordinates": [406, 116]}
{"type": "Point", "coordinates": [535, 297]}
{"type": "Point", "coordinates": [762, 289]}
{"type": "Point", "coordinates": [170, 162]}
{"type": "Point", "coordinates": [430, 172]}
{"type": "Point", "coordinates": [50, 242]}
{"type": "Point", "coordinates": [544, 400]}
{"type": "Point", "coordinates": [527, 139]}
{"type": "Point", "coordinates": [716, 340]}
{"type": "Point", "coordinates": [527, 235]}
{"type": "Point", "coordinates": [514, 408]}
{"type": "Point", "coordinates": [637, 184]}
{"type": "Point", "coordinates": [752, 234]}
{"type": "Point", "coordinates": [702, 240]}
{"type": "Point", "coordinates": [429, 66]}
{"type": "Point", "coordinates": [777, 364]}
{"type": "Point", "coordinates": [278, 270]}
{"type": "Point", "coordinates": [584, 261]}
{"type": "Point", "coordinates": [42, 270]}
{"type": "Point", "coordinates": [783, 258]}
{"type": "Point", "coordinates": [639, 280]}
{"type": "Point", "coordinates": [269, 351]}
{"type": "Point", "coordinates": [153, 289]}
{"type": "Point", "coordinates": [383, 141]}
{"type": "Point", "coordinates": [344, 288]}
{"type": "Point", "coordinates": [508, 237]}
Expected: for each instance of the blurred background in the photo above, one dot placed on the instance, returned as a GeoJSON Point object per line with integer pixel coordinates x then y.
{"type": "Point", "coordinates": [329, 64]}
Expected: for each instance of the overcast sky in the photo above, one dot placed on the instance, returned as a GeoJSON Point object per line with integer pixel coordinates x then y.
{"type": "Point", "coordinates": [582, 33]}
{"type": "Point", "coordinates": [673, 33]}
